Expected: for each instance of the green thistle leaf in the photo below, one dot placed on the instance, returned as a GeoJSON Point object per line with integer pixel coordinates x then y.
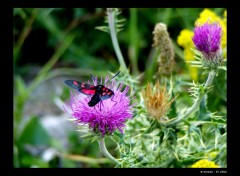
{"type": "Point", "coordinates": [94, 139]}
{"type": "Point", "coordinates": [203, 113]}
{"type": "Point", "coordinates": [197, 131]}
{"type": "Point", "coordinates": [118, 22]}
{"type": "Point", "coordinates": [218, 119]}
{"type": "Point", "coordinates": [223, 68]}
{"type": "Point", "coordinates": [103, 28]}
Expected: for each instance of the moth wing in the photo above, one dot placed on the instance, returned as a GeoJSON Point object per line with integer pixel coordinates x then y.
{"type": "Point", "coordinates": [107, 93]}
{"type": "Point", "coordinates": [82, 87]}
{"type": "Point", "coordinates": [88, 91]}
{"type": "Point", "coordinates": [73, 84]}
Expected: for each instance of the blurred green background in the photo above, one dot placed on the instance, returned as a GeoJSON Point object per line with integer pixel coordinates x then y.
{"type": "Point", "coordinates": [55, 44]}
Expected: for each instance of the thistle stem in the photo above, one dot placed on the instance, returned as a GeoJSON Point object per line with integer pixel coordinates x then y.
{"type": "Point", "coordinates": [105, 152]}
{"type": "Point", "coordinates": [196, 103]}
{"type": "Point", "coordinates": [134, 41]}
{"type": "Point", "coordinates": [111, 22]}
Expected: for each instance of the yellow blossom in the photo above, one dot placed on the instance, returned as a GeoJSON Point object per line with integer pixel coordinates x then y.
{"type": "Point", "coordinates": [207, 15]}
{"type": "Point", "coordinates": [204, 164]}
{"type": "Point", "coordinates": [185, 40]}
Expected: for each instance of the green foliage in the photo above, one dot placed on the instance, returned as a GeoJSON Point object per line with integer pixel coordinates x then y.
{"type": "Point", "coordinates": [194, 127]}
{"type": "Point", "coordinates": [32, 132]}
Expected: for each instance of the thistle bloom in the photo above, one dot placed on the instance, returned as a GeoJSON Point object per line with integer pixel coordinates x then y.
{"type": "Point", "coordinates": [207, 39]}
{"type": "Point", "coordinates": [106, 116]}
{"type": "Point", "coordinates": [156, 100]}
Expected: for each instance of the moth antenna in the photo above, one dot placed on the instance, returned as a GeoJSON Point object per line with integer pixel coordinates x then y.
{"type": "Point", "coordinates": [94, 79]}
{"type": "Point", "coordinates": [112, 77]}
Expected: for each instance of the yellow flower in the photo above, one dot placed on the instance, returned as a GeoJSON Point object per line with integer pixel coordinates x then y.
{"type": "Point", "coordinates": [156, 100]}
{"type": "Point", "coordinates": [204, 164]}
{"type": "Point", "coordinates": [207, 15]}
{"type": "Point", "coordinates": [185, 40]}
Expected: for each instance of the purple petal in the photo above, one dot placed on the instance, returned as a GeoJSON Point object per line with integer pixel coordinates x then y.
{"type": "Point", "coordinates": [207, 39]}
{"type": "Point", "coordinates": [112, 115]}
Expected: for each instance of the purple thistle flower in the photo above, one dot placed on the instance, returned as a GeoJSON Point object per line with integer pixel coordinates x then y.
{"type": "Point", "coordinates": [106, 116]}
{"type": "Point", "coordinates": [207, 39]}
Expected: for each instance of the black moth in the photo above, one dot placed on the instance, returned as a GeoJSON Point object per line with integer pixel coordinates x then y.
{"type": "Point", "coordinates": [98, 92]}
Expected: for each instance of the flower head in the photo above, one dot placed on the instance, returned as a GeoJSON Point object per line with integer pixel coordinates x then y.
{"type": "Point", "coordinates": [204, 164]}
{"type": "Point", "coordinates": [106, 116]}
{"type": "Point", "coordinates": [207, 39]}
{"type": "Point", "coordinates": [164, 45]}
{"type": "Point", "coordinates": [156, 100]}
{"type": "Point", "coordinates": [185, 38]}
{"type": "Point", "coordinates": [212, 17]}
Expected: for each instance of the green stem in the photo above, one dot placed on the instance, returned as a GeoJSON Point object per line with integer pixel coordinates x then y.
{"type": "Point", "coordinates": [210, 78]}
{"type": "Point", "coordinates": [84, 159]}
{"type": "Point", "coordinates": [111, 22]}
{"type": "Point", "coordinates": [105, 152]}
{"type": "Point", "coordinates": [196, 104]}
{"type": "Point", "coordinates": [134, 41]}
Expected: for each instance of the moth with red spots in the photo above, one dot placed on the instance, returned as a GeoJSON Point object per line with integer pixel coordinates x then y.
{"type": "Point", "coordinates": [98, 92]}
